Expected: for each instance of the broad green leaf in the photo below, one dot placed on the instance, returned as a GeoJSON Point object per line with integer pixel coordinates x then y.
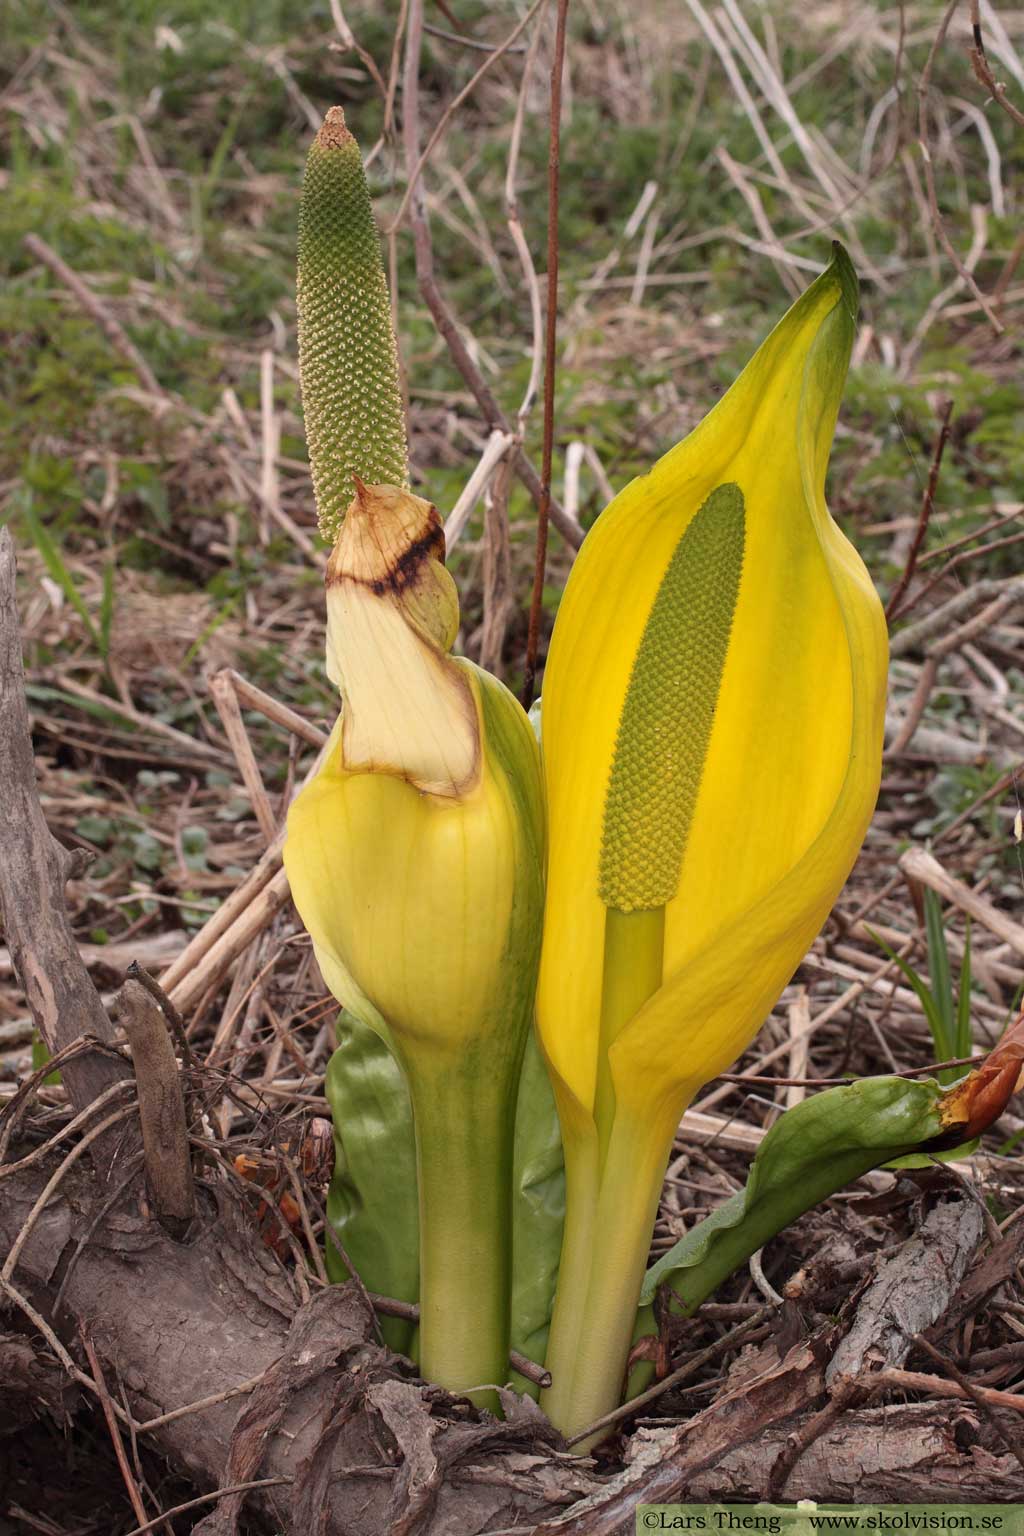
{"type": "Point", "coordinates": [372, 1201]}
{"type": "Point", "coordinates": [817, 1147]}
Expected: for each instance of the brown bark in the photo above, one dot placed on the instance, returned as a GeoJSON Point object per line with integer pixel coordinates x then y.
{"type": "Point", "coordinates": [33, 872]}
{"type": "Point", "coordinates": [178, 1323]}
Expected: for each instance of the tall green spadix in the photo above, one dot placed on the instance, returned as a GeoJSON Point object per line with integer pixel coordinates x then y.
{"type": "Point", "coordinates": [348, 360]}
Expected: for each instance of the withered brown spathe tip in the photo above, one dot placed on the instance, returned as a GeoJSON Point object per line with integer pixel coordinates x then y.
{"type": "Point", "coordinates": [976, 1103]}
{"type": "Point", "coordinates": [387, 536]}
{"type": "Point", "coordinates": [333, 132]}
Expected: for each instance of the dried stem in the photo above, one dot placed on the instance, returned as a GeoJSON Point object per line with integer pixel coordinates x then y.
{"type": "Point", "coordinates": [923, 517]}
{"type": "Point", "coordinates": [161, 1108]}
{"type": "Point", "coordinates": [929, 173]}
{"type": "Point", "coordinates": [550, 339]}
{"type": "Point", "coordinates": [435, 301]}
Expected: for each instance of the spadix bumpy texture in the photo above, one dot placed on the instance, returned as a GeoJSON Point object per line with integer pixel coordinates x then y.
{"type": "Point", "coordinates": [348, 360]}
{"type": "Point", "coordinates": [713, 715]}
{"type": "Point", "coordinates": [669, 710]}
{"type": "Point", "coordinates": [415, 859]}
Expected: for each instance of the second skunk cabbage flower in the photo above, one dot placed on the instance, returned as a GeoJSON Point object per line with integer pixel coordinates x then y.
{"type": "Point", "coordinates": [415, 859]}
{"type": "Point", "coordinates": [712, 726]}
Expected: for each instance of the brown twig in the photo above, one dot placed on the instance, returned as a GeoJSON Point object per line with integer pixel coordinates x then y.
{"type": "Point", "coordinates": [14, 1109]}
{"type": "Point", "coordinates": [409, 1312]}
{"type": "Point", "coordinates": [675, 1378]}
{"type": "Point", "coordinates": [838, 1082]}
{"type": "Point", "coordinates": [848, 1394]}
{"type": "Point", "coordinates": [934, 211]}
{"type": "Point", "coordinates": [210, 1498]}
{"type": "Point", "coordinates": [39, 1322]}
{"type": "Point", "coordinates": [917, 864]}
{"type": "Point", "coordinates": [926, 681]}
{"type": "Point", "coordinates": [893, 1379]}
{"type": "Point", "coordinates": [435, 301]}
{"type": "Point", "coordinates": [279, 713]}
{"type": "Point", "coordinates": [200, 1405]}
{"type": "Point", "coordinates": [493, 55]}
{"type": "Point", "coordinates": [976, 1394]}
{"type": "Point", "coordinates": [498, 599]}
{"type": "Point", "coordinates": [924, 515]}
{"type": "Point", "coordinates": [108, 324]}
{"type": "Point", "coordinates": [107, 1405]}
{"type": "Point", "coordinates": [983, 70]}
{"type": "Point", "coordinates": [222, 689]}
{"type": "Point", "coordinates": [550, 340]}
{"type": "Point", "coordinates": [349, 40]}
{"type": "Point", "coordinates": [70, 1158]}
{"type": "Point", "coordinates": [161, 1108]}
{"type": "Point", "coordinates": [962, 559]}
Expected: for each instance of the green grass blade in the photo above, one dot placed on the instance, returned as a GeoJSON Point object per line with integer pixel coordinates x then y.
{"type": "Point", "coordinates": [106, 610]}
{"type": "Point", "coordinates": [924, 997]}
{"type": "Point", "coordinates": [223, 613]}
{"type": "Point", "coordinates": [964, 1033]}
{"type": "Point", "coordinates": [939, 969]}
{"type": "Point", "coordinates": [54, 563]}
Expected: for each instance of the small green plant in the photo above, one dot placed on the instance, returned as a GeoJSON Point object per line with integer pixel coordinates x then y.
{"type": "Point", "coordinates": [946, 1006]}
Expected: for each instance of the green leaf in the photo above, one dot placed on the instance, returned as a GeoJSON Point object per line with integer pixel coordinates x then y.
{"type": "Point", "coordinates": [538, 1211]}
{"type": "Point", "coordinates": [106, 610]}
{"type": "Point", "coordinates": [40, 1056]}
{"type": "Point", "coordinates": [924, 997]}
{"type": "Point", "coordinates": [817, 1147]}
{"type": "Point", "coordinates": [54, 562]}
{"type": "Point", "coordinates": [147, 853]}
{"type": "Point", "coordinates": [372, 1200]}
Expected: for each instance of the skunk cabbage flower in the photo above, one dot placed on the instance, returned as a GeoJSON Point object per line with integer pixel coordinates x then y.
{"type": "Point", "coordinates": [712, 733]}
{"type": "Point", "coordinates": [415, 859]}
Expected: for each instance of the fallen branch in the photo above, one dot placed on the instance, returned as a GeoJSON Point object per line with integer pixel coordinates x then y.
{"type": "Point", "coordinates": [192, 1329]}
{"type": "Point", "coordinates": [33, 871]}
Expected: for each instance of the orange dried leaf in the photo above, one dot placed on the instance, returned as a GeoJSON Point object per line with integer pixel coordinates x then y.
{"type": "Point", "coordinates": [973, 1105]}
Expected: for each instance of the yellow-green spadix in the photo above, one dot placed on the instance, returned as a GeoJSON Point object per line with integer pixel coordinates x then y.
{"type": "Point", "coordinates": [712, 726]}
{"type": "Point", "coordinates": [415, 859]}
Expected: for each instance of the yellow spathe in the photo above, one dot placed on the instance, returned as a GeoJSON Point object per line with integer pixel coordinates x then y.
{"type": "Point", "coordinates": [407, 896]}
{"type": "Point", "coordinates": [793, 760]}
